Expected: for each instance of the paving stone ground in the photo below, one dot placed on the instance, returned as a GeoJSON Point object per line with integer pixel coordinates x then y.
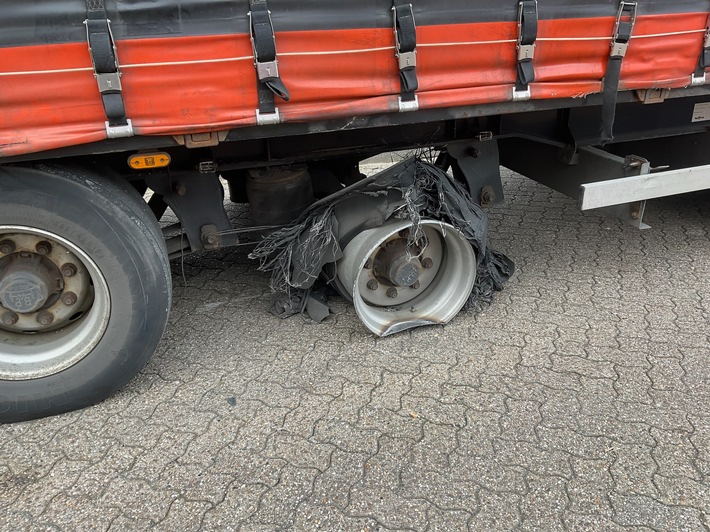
{"type": "Point", "coordinates": [578, 400]}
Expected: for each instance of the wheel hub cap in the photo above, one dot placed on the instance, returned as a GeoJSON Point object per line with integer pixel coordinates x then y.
{"type": "Point", "coordinates": [396, 264]}
{"type": "Point", "coordinates": [27, 281]}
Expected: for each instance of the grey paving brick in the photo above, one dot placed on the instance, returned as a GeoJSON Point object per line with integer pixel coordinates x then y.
{"type": "Point", "coordinates": [638, 510]}
{"type": "Point", "coordinates": [520, 420]}
{"type": "Point", "coordinates": [498, 512]}
{"type": "Point", "coordinates": [379, 493]}
{"type": "Point", "coordinates": [240, 502]}
{"type": "Point", "coordinates": [633, 470]}
{"type": "Point", "coordinates": [576, 401]}
{"type": "Point", "coordinates": [278, 505]}
{"type": "Point", "coordinates": [184, 515]}
{"type": "Point", "coordinates": [581, 522]}
{"type": "Point", "coordinates": [675, 454]}
{"type": "Point", "coordinates": [589, 490]}
{"type": "Point", "coordinates": [545, 502]}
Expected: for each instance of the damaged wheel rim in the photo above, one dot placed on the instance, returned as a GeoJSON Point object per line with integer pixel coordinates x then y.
{"type": "Point", "coordinates": [400, 277]}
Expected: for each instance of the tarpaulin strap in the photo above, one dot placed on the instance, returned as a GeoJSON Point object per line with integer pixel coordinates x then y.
{"type": "Point", "coordinates": [699, 76]}
{"type": "Point", "coordinates": [527, 35]}
{"type": "Point", "coordinates": [106, 69]}
{"type": "Point", "coordinates": [405, 31]}
{"type": "Point", "coordinates": [624, 27]}
{"type": "Point", "coordinates": [263, 43]}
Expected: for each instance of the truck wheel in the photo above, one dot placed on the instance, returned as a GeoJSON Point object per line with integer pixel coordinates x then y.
{"type": "Point", "coordinates": [85, 289]}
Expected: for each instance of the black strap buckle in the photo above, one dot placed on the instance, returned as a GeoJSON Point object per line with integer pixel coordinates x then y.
{"type": "Point", "coordinates": [405, 32]}
{"type": "Point", "coordinates": [699, 76]}
{"type": "Point", "coordinates": [107, 71]}
{"type": "Point", "coordinates": [527, 36]}
{"type": "Point", "coordinates": [623, 28]}
{"type": "Point", "coordinates": [263, 41]}
{"type": "Point", "coordinates": [263, 44]}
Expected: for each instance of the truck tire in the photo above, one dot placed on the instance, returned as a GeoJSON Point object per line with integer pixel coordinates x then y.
{"type": "Point", "coordinates": [85, 289]}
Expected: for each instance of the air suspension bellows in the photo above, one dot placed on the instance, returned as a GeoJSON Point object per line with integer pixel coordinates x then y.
{"type": "Point", "coordinates": [278, 195]}
{"type": "Point", "coordinates": [400, 278]}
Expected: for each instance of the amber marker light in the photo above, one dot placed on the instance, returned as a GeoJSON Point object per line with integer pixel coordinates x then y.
{"type": "Point", "coordinates": [148, 161]}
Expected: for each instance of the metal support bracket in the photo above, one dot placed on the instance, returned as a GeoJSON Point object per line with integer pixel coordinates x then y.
{"type": "Point", "coordinates": [408, 106]}
{"type": "Point", "coordinates": [629, 213]}
{"type": "Point", "coordinates": [119, 131]}
{"type": "Point", "coordinates": [651, 96]}
{"type": "Point", "coordinates": [521, 96]}
{"type": "Point", "coordinates": [201, 140]}
{"type": "Point", "coordinates": [268, 119]}
{"type": "Point", "coordinates": [478, 165]}
{"type": "Point", "coordinates": [197, 200]}
{"type": "Point", "coordinates": [599, 181]}
{"type": "Point", "coordinates": [697, 81]}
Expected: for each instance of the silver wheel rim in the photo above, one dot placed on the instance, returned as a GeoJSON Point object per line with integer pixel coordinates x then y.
{"type": "Point", "coordinates": [442, 295]}
{"type": "Point", "coordinates": [76, 328]}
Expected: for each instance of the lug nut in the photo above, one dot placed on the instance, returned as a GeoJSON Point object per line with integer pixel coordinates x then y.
{"type": "Point", "coordinates": [69, 270]}
{"type": "Point", "coordinates": [44, 318]}
{"type": "Point", "coordinates": [392, 293]}
{"type": "Point", "coordinates": [372, 284]}
{"type": "Point", "coordinates": [368, 264]}
{"type": "Point", "coordinates": [43, 248]}
{"type": "Point", "coordinates": [416, 285]}
{"type": "Point", "coordinates": [69, 298]}
{"type": "Point", "coordinates": [404, 233]}
{"type": "Point", "coordinates": [10, 319]}
{"type": "Point", "coordinates": [7, 247]}
{"type": "Point", "coordinates": [427, 262]}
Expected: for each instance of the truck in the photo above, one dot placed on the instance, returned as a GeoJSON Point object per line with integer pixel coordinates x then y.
{"type": "Point", "coordinates": [112, 112]}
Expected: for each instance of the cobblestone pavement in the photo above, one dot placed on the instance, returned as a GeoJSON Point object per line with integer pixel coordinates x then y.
{"type": "Point", "coordinates": [577, 401]}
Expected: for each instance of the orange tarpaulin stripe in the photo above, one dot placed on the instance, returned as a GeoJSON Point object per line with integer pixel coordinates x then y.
{"type": "Point", "coordinates": [330, 74]}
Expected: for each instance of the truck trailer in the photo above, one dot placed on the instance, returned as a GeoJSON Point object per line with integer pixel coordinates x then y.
{"type": "Point", "coordinates": [113, 112]}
